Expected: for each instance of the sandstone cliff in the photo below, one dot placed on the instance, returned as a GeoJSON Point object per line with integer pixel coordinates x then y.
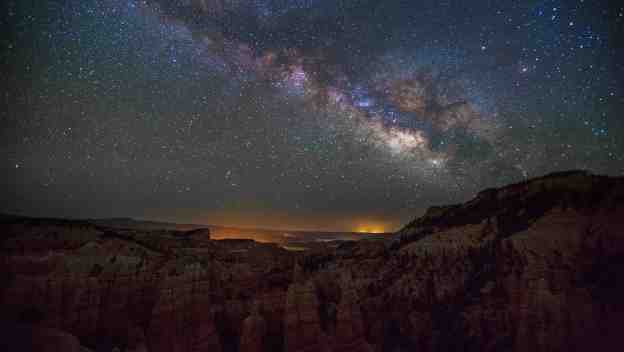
{"type": "Point", "coordinates": [535, 266]}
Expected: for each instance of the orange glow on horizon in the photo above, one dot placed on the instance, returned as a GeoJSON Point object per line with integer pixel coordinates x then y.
{"type": "Point", "coordinates": [251, 223]}
{"type": "Point", "coordinates": [370, 228]}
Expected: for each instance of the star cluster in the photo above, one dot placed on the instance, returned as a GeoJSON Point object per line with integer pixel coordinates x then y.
{"type": "Point", "coordinates": [310, 114]}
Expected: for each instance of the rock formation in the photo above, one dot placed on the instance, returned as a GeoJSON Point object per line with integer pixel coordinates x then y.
{"type": "Point", "coordinates": [302, 324]}
{"type": "Point", "coordinates": [254, 332]}
{"type": "Point", "coordinates": [349, 334]}
{"type": "Point", "coordinates": [38, 338]}
{"type": "Point", "coordinates": [535, 266]}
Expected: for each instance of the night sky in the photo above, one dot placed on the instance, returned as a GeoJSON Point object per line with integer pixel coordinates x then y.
{"type": "Point", "coordinates": [310, 114]}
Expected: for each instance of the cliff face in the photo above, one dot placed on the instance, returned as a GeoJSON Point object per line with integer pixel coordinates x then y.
{"type": "Point", "coordinates": [535, 266]}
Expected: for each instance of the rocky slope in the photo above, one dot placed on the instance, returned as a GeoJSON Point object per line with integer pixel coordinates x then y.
{"type": "Point", "coordinates": [535, 266]}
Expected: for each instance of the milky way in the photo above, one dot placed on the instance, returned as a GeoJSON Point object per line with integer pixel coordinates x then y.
{"type": "Point", "coordinates": [397, 107]}
{"type": "Point", "coordinates": [308, 114]}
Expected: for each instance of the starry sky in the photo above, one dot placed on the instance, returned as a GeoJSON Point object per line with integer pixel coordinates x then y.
{"type": "Point", "coordinates": [304, 114]}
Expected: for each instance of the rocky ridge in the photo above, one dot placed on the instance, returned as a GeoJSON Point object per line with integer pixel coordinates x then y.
{"type": "Point", "coordinates": [534, 266]}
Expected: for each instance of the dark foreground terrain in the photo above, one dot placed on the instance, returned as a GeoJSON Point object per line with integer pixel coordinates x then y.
{"type": "Point", "coordinates": [535, 266]}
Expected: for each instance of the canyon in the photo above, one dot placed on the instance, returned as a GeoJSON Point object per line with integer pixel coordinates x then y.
{"type": "Point", "coordinates": [533, 266]}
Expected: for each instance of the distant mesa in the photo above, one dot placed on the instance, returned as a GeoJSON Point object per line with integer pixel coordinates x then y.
{"type": "Point", "coordinates": [203, 233]}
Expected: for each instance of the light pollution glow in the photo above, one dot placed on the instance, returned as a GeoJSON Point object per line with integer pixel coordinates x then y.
{"type": "Point", "coordinates": [255, 219]}
{"type": "Point", "coordinates": [371, 228]}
